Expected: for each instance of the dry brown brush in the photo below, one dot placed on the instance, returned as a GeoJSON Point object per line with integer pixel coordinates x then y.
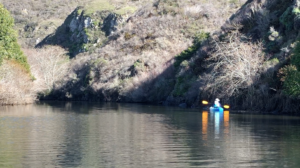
{"type": "Point", "coordinates": [136, 63]}
{"type": "Point", "coordinates": [48, 66]}
{"type": "Point", "coordinates": [16, 86]}
{"type": "Point", "coordinates": [235, 65]}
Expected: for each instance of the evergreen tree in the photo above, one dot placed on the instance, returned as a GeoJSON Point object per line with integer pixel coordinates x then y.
{"type": "Point", "coordinates": [9, 47]}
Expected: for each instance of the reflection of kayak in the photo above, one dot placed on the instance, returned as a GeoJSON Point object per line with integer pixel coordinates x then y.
{"type": "Point", "coordinates": [216, 109]}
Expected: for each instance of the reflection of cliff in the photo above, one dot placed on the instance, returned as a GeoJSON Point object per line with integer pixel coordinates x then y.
{"type": "Point", "coordinates": [19, 135]}
{"type": "Point", "coordinates": [36, 136]}
{"type": "Point", "coordinates": [67, 134]}
{"type": "Point", "coordinates": [10, 137]}
{"type": "Point", "coordinates": [128, 138]}
{"type": "Point", "coordinates": [70, 149]}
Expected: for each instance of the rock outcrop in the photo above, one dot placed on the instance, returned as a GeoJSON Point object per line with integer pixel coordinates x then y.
{"type": "Point", "coordinates": [111, 23]}
{"type": "Point", "coordinates": [81, 32]}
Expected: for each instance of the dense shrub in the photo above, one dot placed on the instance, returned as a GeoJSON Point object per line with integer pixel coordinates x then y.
{"type": "Point", "coordinates": [9, 47]}
{"type": "Point", "coordinates": [290, 74]}
{"type": "Point", "coordinates": [291, 78]}
{"type": "Point", "coordinates": [16, 86]}
{"type": "Point", "coordinates": [295, 60]}
{"type": "Point", "coordinates": [287, 19]}
{"type": "Point", "coordinates": [188, 53]}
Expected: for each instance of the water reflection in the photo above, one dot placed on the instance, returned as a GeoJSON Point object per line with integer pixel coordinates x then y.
{"type": "Point", "coordinates": [226, 124]}
{"type": "Point", "coordinates": [204, 124]}
{"type": "Point", "coordinates": [126, 135]}
{"type": "Point", "coordinates": [217, 124]}
{"type": "Point", "coordinates": [220, 120]}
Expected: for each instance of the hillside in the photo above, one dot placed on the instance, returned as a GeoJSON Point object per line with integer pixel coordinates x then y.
{"type": "Point", "coordinates": [266, 34]}
{"type": "Point", "coordinates": [169, 52]}
{"type": "Point", "coordinates": [135, 63]}
{"type": "Point", "coordinates": [15, 76]}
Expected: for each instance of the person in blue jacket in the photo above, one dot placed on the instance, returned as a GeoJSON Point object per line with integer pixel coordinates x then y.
{"type": "Point", "coordinates": [217, 103]}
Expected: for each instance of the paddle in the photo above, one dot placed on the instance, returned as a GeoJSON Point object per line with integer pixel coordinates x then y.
{"type": "Point", "coordinates": [226, 106]}
{"type": "Point", "coordinates": [204, 102]}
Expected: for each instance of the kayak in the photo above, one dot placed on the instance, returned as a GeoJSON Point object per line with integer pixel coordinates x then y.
{"type": "Point", "coordinates": [216, 109]}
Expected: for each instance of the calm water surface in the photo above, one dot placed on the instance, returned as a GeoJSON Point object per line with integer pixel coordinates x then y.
{"type": "Point", "coordinates": [141, 136]}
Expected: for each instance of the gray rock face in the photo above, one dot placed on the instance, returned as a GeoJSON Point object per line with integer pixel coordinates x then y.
{"type": "Point", "coordinates": [110, 23]}
{"type": "Point", "coordinates": [77, 26]}
{"type": "Point", "coordinates": [74, 24]}
{"type": "Point", "coordinates": [80, 22]}
{"type": "Point", "coordinates": [87, 22]}
{"type": "Point", "coordinates": [83, 32]}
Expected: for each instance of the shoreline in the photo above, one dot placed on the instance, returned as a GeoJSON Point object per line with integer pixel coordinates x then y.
{"type": "Point", "coordinates": [201, 109]}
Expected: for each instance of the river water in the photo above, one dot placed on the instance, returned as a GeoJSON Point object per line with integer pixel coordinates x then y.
{"type": "Point", "coordinates": [110, 135]}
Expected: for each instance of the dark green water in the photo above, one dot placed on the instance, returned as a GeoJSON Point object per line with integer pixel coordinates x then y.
{"type": "Point", "coordinates": [142, 136]}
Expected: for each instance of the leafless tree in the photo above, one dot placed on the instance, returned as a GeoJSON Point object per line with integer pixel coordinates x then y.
{"type": "Point", "coordinates": [235, 65]}
{"type": "Point", "coordinates": [49, 65]}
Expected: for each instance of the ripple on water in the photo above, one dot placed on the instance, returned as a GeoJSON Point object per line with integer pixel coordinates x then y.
{"type": "Point", "coordinates": [131, 136]}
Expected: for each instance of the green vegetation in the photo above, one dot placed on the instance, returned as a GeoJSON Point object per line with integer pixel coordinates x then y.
{"type": "Point", "coordinates": [236, 2]}
{"type": "Point", "coordinates": [126, 10]}
{"type": "Point", "coordinates": [105, 5]}
{"type": "Point", "coordinates": [9, 47]}
{"type": "Point", "coordinates": [291, 74]}
{"type": "Point", "coordinates": [291, 80]}
{"type": "Point", "coordinates": [296, 56]}
{"type": "Point", "coordinates": [184, 63]}
{"type": "Point", "coordinates": [188, 53]}
{"type": "Point", "coordinates": [296, 11]}
{"type": "Point", "coordinates": [136, 63]}
{"type": "Point", "coordinates": [183, 84]}
{"type": "Point", "coordinates": [271, 62]}
{"type": "Point", "coordinates": [181, 87]}
{"type": "Point", "coordinates": [138, 55]}
{"type": "Point", "coordinates": [287, 18]}
{"type": "Point", "coordinates": [97, 5]}
{"type": "Point", "coordinates": [168, 7]}
{"type": "Point", "coordinates": [101, 61]}
{"type": "Point", "coordinates": [128, 36]}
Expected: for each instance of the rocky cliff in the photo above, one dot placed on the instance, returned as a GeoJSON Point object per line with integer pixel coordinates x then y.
{"type": "Point", "coordinates": [146, 57]}
{"type": "Point", "coordinates": [180, 52]}
{"type": "Point", "coordinates": [81, 32]}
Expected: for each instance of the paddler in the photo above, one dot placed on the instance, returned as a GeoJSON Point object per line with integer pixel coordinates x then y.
{"type": "Point", "coordinates": [217, 103]}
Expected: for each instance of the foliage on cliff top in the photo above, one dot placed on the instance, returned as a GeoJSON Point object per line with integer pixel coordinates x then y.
{"type": "Point", "coordinates": [117, 6]}
{"type": "Point", "coordinates": [97, 5]}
